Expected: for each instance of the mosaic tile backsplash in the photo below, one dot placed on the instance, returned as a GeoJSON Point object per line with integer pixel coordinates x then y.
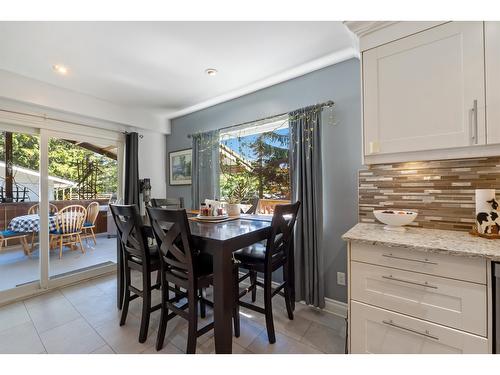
{"type": "Point", "coordinates": [442, 192]}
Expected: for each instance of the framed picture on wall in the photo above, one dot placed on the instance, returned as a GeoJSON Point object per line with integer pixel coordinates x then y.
{"type": "Point", "coordinates": [180, 167]}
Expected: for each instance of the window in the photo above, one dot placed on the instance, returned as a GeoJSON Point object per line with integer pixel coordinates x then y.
{"type": "Point", "coordinates": [254, 165]}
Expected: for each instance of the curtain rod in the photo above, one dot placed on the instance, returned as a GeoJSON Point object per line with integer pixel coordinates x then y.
{"type": "Point", "coordinates": [45, 117]}
{"type": "Point", "coordinates": [328, 103]}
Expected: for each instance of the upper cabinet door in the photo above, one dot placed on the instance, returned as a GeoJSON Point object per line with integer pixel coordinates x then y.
{"type": "Point", "coordinates": [425, 91]}
{"type": "Point", "coordinates": [492, 55]}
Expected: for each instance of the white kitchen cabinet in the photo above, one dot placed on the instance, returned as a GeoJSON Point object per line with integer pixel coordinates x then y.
{"type": "Point", "coordinates": [449, 302]}
{"type": "Point", "coordinates": [492, 64]}
{"type": "Point", "coordinates": [418, 292]}
{"type": "Point", "coordinates": [426, 91]}
{"type": "Point", "coordinates": [385, 332]}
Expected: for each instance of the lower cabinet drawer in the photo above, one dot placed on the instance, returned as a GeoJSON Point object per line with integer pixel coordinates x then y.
{"type": "Point", "coordinates": [457, 304]}
{"type": "Point", "coordinates": [454, 267]}
{"type": "Point", "coordinates": [375, 330]}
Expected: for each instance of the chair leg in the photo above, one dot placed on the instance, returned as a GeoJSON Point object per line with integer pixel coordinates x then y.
{"type": "Point", "coordinates": [126, 295]}
{"type": "Point", "coordinates": [253, 282]}
{"type": "Point", "coordinates": [60, 247]}
{"type": "Point", "coordinates": [26, 247]}
{"type": "Point", "coordinates": [32, 240]}
{"type": "Point", "coordinates": [288, 292]}
{"type": "Point", "coordinates": [192, 320]}
{"type": "Point", "coordinates": [93, 236]}
{"type": "Point", "coordinates": [81, 244]}
{"type": "Point", "coordinates": [236, 308]}
{"type": "Point", "coordinates": [346, 347]}
{"type": "Point", "coordinates": [164, 314]}
{"type": "Point", "coordinates": [146, 306]}
{"type": "Point", "coordinates": [203, 308]}
{"type": "Point", "coordinates": [158, 279]}
{"type": "Point", "coordinates": [268, 306]}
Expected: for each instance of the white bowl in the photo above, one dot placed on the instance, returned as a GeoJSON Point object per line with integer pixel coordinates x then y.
{"type": "Point", "coordinates": [395, 219]}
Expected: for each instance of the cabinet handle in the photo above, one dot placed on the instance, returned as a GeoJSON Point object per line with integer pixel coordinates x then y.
{"type": "Point", "coordinates": [425, 284]}
{"type": "Point", "coordinates": [474, 122]}
{"type": "Point", "coordinates": [426, 261]}
{"type": "Point", "coordinates": [426, 333]}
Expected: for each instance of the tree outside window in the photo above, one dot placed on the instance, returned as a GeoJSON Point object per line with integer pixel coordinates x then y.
{"type": "Point", "coordinates": [255, 166]}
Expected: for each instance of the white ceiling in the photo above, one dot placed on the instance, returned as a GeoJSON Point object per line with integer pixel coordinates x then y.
{"type": "Point", "coordinates": [160, 66]}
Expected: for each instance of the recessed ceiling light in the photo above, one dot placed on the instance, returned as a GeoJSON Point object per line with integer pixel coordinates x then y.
{"type": "Point", "coordinates": [211, 71]}
{"type": "Point", "coordinates": [61, 69]}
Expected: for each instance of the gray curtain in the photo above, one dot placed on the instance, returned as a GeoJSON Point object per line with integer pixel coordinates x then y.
{"type": "Point", "coordinates": [205, 167]}
{"type": "Point", "coordinates": [306, 176]}
{"type": "Point", "coordinates": [131, 196]}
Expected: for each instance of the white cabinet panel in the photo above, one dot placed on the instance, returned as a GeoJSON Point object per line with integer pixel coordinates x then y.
{"type": "Point", "coordinates": [455, 267]}
{"type": "Point", "coordinates": [492, 64]}
{"type": "Point", "coordinates": [380, 331]}
{"type": "Point", "coordinates": [419, 91]}
{"type": "Point", "coordinates": [453, 303]}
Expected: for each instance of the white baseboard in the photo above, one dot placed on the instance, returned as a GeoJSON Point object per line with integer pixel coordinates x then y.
{"type": "Point", "coordinates": [336, 307]}
{"type": "Point", "coordinates": [332, 306]}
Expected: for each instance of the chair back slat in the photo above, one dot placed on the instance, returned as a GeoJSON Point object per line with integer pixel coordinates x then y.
{"type": "Point", "coordinates": [130, 230]}
{"type": "Point", "coordinates": [173, 236]}
{"type": "Point", "coordinates": [70, 219]}
{"type": "Point", "coordinates": [281, 238]}
{"type": "Point", "coordinates": [92, 212]}
{"type": "Point", "coordinates": [168, 202]}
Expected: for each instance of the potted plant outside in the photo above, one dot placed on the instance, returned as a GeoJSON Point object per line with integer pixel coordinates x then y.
{"type": "Point", "coordinates": [236, 189]}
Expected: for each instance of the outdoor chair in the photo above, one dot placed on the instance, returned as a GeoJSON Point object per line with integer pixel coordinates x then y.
{"type": "Point", "coordinates": [69, 226]}
{"type": "Point", "coordinates": [89, 224]}
{"type": "Point", "coordinates": [34, 210]}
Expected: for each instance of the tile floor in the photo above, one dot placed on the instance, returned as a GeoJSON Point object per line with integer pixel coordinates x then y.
{"type": "Point", "coordinates": [83, 318]}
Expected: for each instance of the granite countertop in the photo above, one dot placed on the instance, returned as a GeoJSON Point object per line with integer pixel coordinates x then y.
{"type": "Point", "coordinates": [430, 240]}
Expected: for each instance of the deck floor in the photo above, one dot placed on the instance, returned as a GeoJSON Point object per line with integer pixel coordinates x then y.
{"type": "Point", "coordinates": [18, 269]}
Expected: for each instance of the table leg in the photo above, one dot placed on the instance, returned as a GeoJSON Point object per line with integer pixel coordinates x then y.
{"type": "Point", "coordinates": [223, 301]}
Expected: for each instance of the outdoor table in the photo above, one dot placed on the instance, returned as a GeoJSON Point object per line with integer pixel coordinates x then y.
{"type": "Point", "coordinates": [30, 223]}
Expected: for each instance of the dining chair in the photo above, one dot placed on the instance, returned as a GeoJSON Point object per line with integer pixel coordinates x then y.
{"type": "Point", "coordinates": [167, 202]}
{"type": "Point", "coordinates": [182, 265]}
{"type": "Point", "coordinates": [89, 224]}
{"type": "Point", "coordinates": [266, 258]}
{"type": "Point", "coordinates": [170, 203]}
{"type": "Point", "coordinates": [34, 210]}
{"type": "Point", "coordinates": [69, 223]}
{"type": "Point", "coordinates": [137, 255]}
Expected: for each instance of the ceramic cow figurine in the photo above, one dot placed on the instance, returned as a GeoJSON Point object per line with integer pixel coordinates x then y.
{"type": "Point", "coordinates": [489, 222]}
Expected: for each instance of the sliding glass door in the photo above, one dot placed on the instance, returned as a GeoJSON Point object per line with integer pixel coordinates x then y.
{"type": "Point", "coordinates": [47, 179]}
{"type": "Point", "coordinates": [86, 183]}
{"type": "Point", "coordinates": [19, 192]}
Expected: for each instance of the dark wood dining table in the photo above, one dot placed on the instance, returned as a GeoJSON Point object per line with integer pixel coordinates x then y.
{"type": "Point", "coordinates": [221, 240]}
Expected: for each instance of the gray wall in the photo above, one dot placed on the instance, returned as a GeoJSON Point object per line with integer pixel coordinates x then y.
{"type": "Point", "coordinates": [341, 146]}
